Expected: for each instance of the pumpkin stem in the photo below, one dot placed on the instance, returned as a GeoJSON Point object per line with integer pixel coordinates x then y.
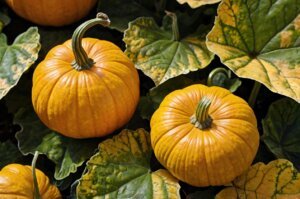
{"type": "Point", "coordinates": [82, 61]}
{"type": "Point", "coordinates": [36, 194]}
{"type": "Point", "coordinates": [175, 29]}
{"type": "Point", "coordinates": [201, 119]}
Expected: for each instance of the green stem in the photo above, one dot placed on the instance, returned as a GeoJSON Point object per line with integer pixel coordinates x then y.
{"type": "Point", "coordinates": [175, 29]}
{"type": "Point", "coordinates": [35, 182]}
{"type": "Point", "coordinates": [201, 118]}
{"type": "Point", "coordinates": [82, 61]}
{"type": "Point", "coordinates": [215, 72]}
{"type": "Point", "coordinates": [254, 93]}
{"type": "Point", "coordinates": [1, 26]}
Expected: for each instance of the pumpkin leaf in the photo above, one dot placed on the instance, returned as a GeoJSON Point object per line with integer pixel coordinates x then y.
{"type": "Point", "coordinates": [259, 40]}
{"type": "Point", "coordinates": [197, 3]}
{"type": "Point", "coordinates": [159, 53]}
{"type": "Point", "coordinates": [66, 153]}
{"type": "Point", "coordinates": [121, 16]}
{"type": "Point", "coordinates": [222, 78]}
{"type": "Point", "coordinates": [15, 59]}
{"type": "Point", "coordinates": [278, 179]}
{"type": "Point", "coordinates": [282, 130]}
{"type": "Point", "coordinates": [149, 103]}
{"type": "Point", "coordinates": [121, 169]}
{"type": "Point", "coordinates": [9, 153]}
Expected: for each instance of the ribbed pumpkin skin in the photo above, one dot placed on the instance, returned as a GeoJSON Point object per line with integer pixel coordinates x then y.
{"type": "Point", "coordinates": [52, 12]}
{"type": "Point", "coordinates": [16, 182]}
{"type": "Point", "coordinates": [86, 103]}
{"type": "Point", "coordinates": [213, 156]}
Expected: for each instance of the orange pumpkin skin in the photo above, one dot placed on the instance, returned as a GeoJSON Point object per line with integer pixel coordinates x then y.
{"type": "Point", "coordinates": [53, 12]}
{"type": "Point", "coordinates": [212, 156]}
{"type": "Point", "coordinates": [86, 103]}
{"type": "Point", "coordinates": [16, 182]}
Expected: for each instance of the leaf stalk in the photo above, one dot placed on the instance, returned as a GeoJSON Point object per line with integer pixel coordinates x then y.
{"type": "Point", "coordinates": [36, 194]}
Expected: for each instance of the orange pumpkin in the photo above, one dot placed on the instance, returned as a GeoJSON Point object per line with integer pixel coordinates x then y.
{"type": "Point", "coordinates": [86, 89]}
{"type": "Point", "coordinates": [52, 12]}
{"type": "Point", "coordinates": [16, 181]}
{"type": "Point", "coordinates": [204, 135]}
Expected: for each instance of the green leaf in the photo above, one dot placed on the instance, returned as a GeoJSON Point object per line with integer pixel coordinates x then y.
{"type": "Point", "coordinates": [159, 55]}
{"type": "Point", "coordinates": [149, 103]}
{"type": "Point", "coordinates": [121, 169]}
{"type": "Point", "coordinates": [198, 3]}
{"type": "Point", "coordinates": [121, 12]}
{"type": "Point", "coordinates": [66, 153]}
{"type": "Point", "coordinates": [282, 130]}
{"type": "Point", "coordinates": [15, 59]}
{"type": "Point", "coordinates": [278, 179]}
{"type": "Point", "coordinates": [222, 78]}
{"type": "Point", "coordinates": [260, 40]}
{"type": "Point", "coordinates": [9, 153]}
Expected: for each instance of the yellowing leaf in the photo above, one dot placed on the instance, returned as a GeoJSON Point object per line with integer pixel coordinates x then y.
{"type": "Point", "coordinates": [15, 59]}
{"type": "Point", "coordinates": [121, 169]}
{"type": "Point", "coordinates": [278, 180]}
{"type": "Point", "coordinates": [260, 40]}
{"type": "Point", "coordinates": [198, 3]}
{"type": "Point", "coordinates": [160, 54]}
{"type": "Point", "coordinates": [164, 185]}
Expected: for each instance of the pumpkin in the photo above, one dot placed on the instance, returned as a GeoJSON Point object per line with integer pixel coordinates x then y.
{"type": "Point", "coordinates": [53, 12]}
{"type": "Point", "coordinates": [16, 181]}
{"type": "Point", "coordinates": [204, 135]}
{"type": "Point", "coordinates": [85, 87]}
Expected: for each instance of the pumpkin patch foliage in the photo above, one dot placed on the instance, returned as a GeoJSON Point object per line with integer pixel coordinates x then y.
{"type": "Point", "coordinates": [15, 59]}
{"type": "Point", "coordinates": [121, 169]}
{"type": "Point", "coordinates": [260, 41]}
{"type": "Point", "coordinates": [278, 179]}
{"type": "Point", "coordinates": [160, 53]}
{"type": "Point", "coordinates": [149, 99]}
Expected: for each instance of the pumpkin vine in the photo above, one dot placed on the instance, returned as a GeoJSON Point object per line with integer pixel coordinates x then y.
{"type": "Point", "coordinates": [218, 72]}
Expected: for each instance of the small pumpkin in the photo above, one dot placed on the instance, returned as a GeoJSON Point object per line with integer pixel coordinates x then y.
{"type": "Point", "coordinates": [51, 12]}
{"type": "Point", "coordinates": [85, 87]}
{"type": "Point", "coordinates": [16, 181]}
{"type": "Point", "coordinates": [204, 135]}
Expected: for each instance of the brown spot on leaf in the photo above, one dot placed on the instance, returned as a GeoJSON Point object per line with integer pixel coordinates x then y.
{"type": "Point", "coordinates": [14, 68]}
{"type": "Point", "coordinates": [297, 23]}
{"type": "Point", "coordinates": [3, 84]}
{"type": "Point", "coordinates": [285, 39]}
